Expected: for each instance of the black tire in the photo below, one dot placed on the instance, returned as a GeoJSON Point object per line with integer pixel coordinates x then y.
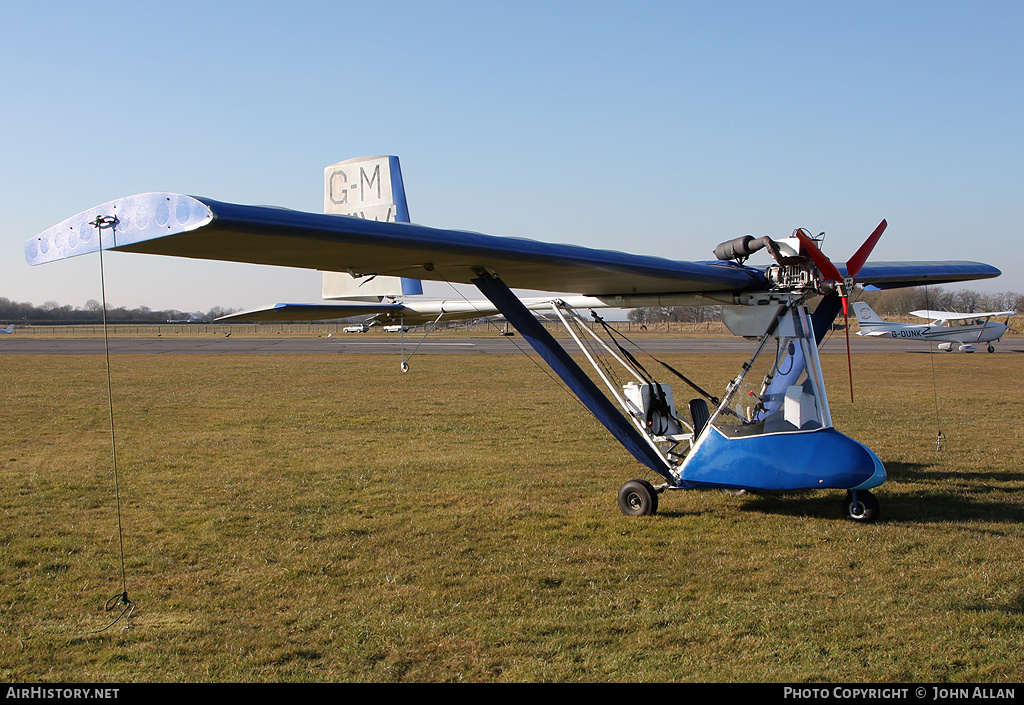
{"type": "Point", "coordinates": [700, 414]}
{"type": "Point", "coordinates": [638, 498]}
{"type": "Point", "coordinates": [864, 511]}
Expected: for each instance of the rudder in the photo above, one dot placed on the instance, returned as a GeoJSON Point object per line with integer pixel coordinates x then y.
{"type": "Point", "coordinates": [865, 314]}
{"type": "Point", "coordinates": [370, 188]}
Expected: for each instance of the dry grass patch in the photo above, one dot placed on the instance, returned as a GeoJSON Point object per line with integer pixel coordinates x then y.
{"type": "Point", "coordinates": [328, 518]}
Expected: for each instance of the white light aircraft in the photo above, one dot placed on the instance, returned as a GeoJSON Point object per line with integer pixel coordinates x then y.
{"type": "Point", "coordinates": [963, 330]}
{"type": "Point", "coordinates": [8, 329]}
{"type": "Point", "coordinates": [768, 428]}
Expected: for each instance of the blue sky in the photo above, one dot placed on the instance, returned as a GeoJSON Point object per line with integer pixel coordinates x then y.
{"type": "Point", "coordinates": [650, 127]}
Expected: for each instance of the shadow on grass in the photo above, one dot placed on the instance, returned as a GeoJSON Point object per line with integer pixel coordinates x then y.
{"type": "Point", "coordinates": [1016, 606]}
{"type": "Point", "coordinates": [970, 500]}
{"type": "Point", "coordinates": [926, 507]}
{"type": "Point", "coordinates": [927, 472]}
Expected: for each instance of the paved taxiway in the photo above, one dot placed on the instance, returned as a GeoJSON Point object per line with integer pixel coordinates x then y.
{"type": "Point", "coordinates": [432, 345]}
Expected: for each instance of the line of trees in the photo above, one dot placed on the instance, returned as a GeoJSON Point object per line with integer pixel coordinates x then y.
{"type": "Point", "coordinates": [53, 313]}
{"type": "Point", "coordinates": [900, 302]}
{"type": "Point", "coordinates": [888, 303]}
{"type": "Point", "coordinates": [675, 314]}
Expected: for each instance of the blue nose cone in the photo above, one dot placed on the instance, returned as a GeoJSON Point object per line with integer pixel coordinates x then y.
{"type": "Point", "coordinates": [878, 476]}
{"type": "Point", "coordinates": [816, 459]}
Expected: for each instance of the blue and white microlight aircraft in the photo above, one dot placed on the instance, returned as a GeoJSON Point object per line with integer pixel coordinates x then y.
{"type": "Point", "coordinates": [962, 331]}
{"type": "Point", "coordinates": [769, 429]}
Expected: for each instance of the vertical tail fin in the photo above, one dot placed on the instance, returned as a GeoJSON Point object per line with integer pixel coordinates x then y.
{"type": "Point", "coordinates": [865, 314]}
{"type": "Point", "coordinates": [870, 322]}
{"type": "Point", "coordinates": [371, 188]}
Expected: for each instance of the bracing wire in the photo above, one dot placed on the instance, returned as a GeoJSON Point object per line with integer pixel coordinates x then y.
{"type": "Point", "coordinates": [614, 334]}
{"type": "Point", "coordinates": [121, 599]}
{"type": "Point", "coordinates": [939, 438]}
{"type": "Point", "coordinates": [546, 370]}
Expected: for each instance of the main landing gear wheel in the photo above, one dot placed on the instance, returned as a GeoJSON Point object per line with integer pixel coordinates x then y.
{"type": "Point", "coordinates": [865, 510]}
{"type": "Point", "coordinates": [638, 498]}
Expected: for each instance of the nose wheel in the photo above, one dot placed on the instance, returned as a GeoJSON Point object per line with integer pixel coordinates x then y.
{"type": "Point", "coordinates": [860, 506]}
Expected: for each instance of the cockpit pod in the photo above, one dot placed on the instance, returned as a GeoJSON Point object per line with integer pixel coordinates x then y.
{"type": "Point", "coordinates": [773, 429]}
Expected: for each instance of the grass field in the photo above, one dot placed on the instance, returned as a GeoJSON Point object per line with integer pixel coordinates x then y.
{"type": "Point", "coordinates": [327, 518]}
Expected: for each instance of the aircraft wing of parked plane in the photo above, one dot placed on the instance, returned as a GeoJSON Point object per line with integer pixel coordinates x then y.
{"type": "Point", "coordinates": [951, 316]}
{"type": "Point", "coordinates": [410, 312]}
{"type": "Point", "coordinates": [762, 433]}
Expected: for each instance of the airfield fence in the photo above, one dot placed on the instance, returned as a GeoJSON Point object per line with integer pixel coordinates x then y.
{"type": "Point", "coordinates": [320, 329]}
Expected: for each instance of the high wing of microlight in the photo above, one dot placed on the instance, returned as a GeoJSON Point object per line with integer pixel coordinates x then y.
{"type": "Point", "coordinates": [962, 330]}
{"type": "Point", "coordinates": [768, 428]}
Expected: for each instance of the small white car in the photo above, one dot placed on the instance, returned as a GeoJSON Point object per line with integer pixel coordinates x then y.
{"type": "Point", "coordinates": [357, 328]}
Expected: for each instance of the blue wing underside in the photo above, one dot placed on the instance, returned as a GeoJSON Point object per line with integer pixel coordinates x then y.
{"type": "Point", "coordinates": [208, 229]}
{"type": "Point", "coordinates": [335, 243]}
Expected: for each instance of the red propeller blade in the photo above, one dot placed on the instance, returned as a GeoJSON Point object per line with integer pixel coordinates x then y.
{"type": "Point", "coordinates": [860, 256]}
{"type": "Point", "coordinates": [831, 272]}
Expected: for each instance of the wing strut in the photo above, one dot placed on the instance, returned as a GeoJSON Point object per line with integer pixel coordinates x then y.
{"type": "Point", "coordinates": [571, 373]}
